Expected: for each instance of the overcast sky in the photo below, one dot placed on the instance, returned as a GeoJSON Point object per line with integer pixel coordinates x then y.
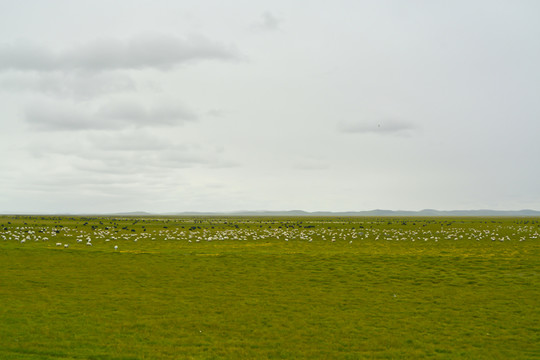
{"type": "Point", "coordinates": [165, 106]}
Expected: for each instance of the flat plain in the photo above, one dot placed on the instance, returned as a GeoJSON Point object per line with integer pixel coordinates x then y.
{"type": "Point", "coordinates": [269, 287]}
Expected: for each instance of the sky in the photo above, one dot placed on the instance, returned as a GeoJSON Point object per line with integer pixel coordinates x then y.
{"type": "Point", "coordinates": [172, 106]}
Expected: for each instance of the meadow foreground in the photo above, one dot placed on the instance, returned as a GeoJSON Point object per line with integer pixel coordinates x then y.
{"type": "Point", "coordinates": [286, 288]}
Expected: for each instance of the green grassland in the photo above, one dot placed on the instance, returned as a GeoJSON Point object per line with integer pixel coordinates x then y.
{"type": "Point", "coordinates": [276, 288]}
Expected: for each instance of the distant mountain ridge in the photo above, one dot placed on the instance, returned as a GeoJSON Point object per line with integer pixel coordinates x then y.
{"type": "Point", "coordinates": [377, 212]}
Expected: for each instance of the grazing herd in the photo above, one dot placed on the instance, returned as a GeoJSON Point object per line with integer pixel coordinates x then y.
{"type": "Point", "coordinates": [73, 236]}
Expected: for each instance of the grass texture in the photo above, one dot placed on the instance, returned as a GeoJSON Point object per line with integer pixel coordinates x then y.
{"type": "Point", "coordinates": [269, 288]}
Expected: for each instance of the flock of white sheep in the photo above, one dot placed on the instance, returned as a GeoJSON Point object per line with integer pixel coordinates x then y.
{"type": "Point", "coordinates": [77, 236]}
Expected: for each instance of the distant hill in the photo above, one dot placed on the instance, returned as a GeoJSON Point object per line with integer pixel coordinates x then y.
{"type": "Point", "coordinates": [133, 213]}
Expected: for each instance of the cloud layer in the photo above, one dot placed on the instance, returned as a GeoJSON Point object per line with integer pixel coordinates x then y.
{"type": "Point", "coordinates": [342, 105]}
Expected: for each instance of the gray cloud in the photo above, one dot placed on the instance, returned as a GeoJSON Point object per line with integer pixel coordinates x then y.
{"type": "Point", "coordinates": [59, 116]}
{"type": "Point", "coordinates": [268, 21]}
{"type": "Point", "coordinates": [122, 154]}
{"type": "Point", "coordinates": [67, 85]}
{"type": "Point", "coordinates": [24, 55]}
{"type": "Point", "coordinates": [147, 162]}
{"type": "Point", "coordinates": [133, 140]}
{"type": "Point", "coordinates": [310, 163]}
{"type": "Point", "coordinates": [114, 115]}
{"type": "Point", "coordinates": [381, 127]}
{"type": "Point", "coordinates": [137, 162]}
{"type": "Point", "coordinates": [145, 51]}
{"type": "Point", "coordinates": [138, 115]}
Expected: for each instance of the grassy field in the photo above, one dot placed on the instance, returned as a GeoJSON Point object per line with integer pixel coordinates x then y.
{"type": "Point", "coordinates": [277, 288]}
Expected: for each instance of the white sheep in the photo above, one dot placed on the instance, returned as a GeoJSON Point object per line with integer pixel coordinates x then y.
{"type": "Point", "coordinates": [58, 244]}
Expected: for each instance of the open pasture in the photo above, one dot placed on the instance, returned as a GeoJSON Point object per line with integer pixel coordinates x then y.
{"type": "Point", "coordinates": [248, 288]}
